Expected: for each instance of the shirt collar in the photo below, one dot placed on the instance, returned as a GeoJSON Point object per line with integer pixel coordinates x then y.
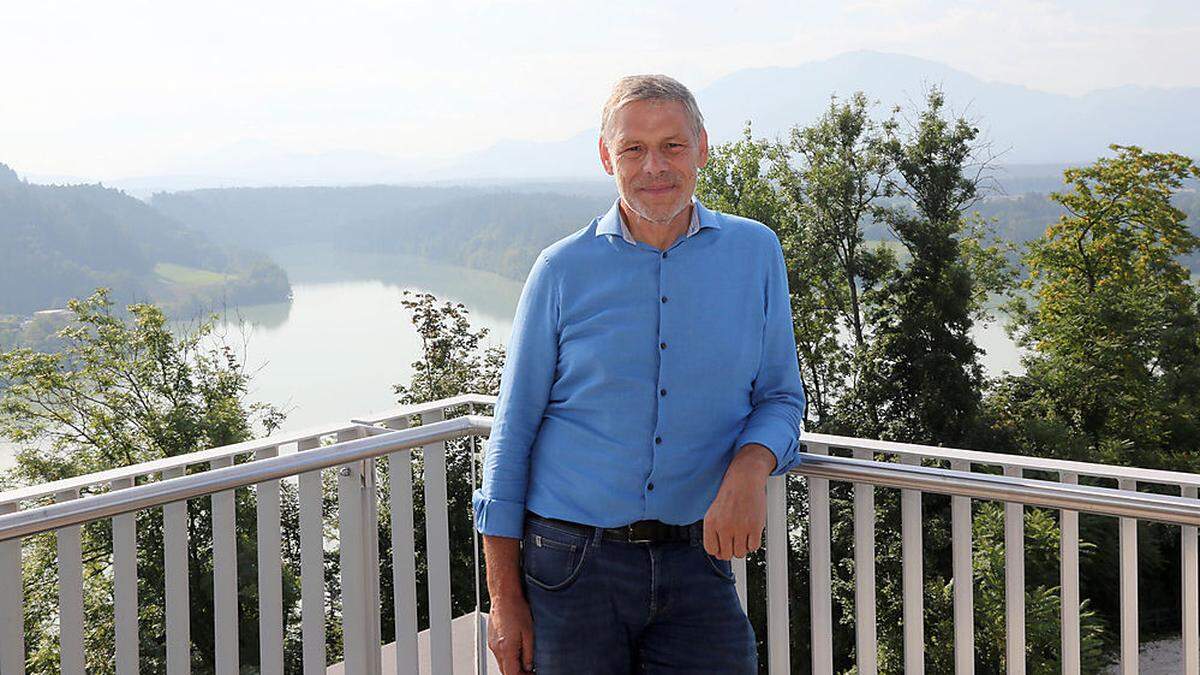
{"type": "Point", "coordinates": [613, 223]}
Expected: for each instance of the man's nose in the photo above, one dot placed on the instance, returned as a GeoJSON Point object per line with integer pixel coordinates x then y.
{"type": "Point", "coordinates": [656, 162]}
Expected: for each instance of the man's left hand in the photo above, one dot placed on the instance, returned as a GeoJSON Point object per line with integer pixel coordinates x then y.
{"type": "Point", "coordinates": [733, 525]}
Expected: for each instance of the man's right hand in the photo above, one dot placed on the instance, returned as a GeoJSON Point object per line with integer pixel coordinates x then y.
{"type": "Point", "coordinates": [510, 636]}
{"type": "Point", "coordinates": [510, 624]}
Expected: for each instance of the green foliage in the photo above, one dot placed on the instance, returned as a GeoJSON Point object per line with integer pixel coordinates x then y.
{"type": "Point", "coordinates": [453, 361]}
{"type": "Point", "coordinates": [920, 376]}
{"type": "Point", "coordinates": [1042, 595]}
{"type": "Point", "coordinates": [1115, 332]}
{"type": "Point", "coordinates": [123, 390]}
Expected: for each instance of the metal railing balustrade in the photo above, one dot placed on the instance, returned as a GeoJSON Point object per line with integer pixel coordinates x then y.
{"type": "Point", "coordinates": [212, 474]}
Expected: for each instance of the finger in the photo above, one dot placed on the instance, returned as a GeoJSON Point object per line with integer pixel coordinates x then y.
{"type": "Point", "coordinates": [739, 547]}
{"type": "Point", "coordinates": [510, 664]}
{"type": "Point", "coordinates": [754, 540]}
{"type": "Point", "coordinates": [527, 650]}
{"type": "Point", "coordinates": [711, 544]}
{"type": "Point", "coordinates": [727, 546]}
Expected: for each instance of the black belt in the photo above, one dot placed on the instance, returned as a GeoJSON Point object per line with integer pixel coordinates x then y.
{"type": "Point", "coordinates": [643, 531]}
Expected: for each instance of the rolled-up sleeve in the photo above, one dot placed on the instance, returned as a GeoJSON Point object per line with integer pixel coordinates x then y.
{"type": "Point", "coordinates": [777, 398]}
{"type": "Point", "coordinates": [531, 360]}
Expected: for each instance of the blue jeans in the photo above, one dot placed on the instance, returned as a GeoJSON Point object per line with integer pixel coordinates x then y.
{"type": "Point", "coordinates": [609, 607]}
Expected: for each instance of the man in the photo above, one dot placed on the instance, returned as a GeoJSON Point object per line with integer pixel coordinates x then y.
{"type": "Point", "coordinates": [650, 389]}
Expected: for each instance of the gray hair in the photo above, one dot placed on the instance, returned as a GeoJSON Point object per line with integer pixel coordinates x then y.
{"type": "Point", "coordinates": [649, 88]}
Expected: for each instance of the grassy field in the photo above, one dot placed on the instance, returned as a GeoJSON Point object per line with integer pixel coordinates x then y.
{"type": "Point", "coordinates": [189, 276]}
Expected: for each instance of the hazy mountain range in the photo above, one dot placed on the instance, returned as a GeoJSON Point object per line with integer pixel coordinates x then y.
{"type": "Point", "coordinates": [1025, 127]}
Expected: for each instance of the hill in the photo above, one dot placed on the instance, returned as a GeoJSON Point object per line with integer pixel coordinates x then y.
{"type": "Point", "coordinates": [495, 228]}
{"type": "Point", "coordinates": [63, 241]}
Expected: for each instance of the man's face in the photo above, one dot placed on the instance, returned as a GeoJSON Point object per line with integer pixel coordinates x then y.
{"type": "Point", "coordinates": [654, 153]}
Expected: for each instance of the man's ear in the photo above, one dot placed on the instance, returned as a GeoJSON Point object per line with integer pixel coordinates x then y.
{"type": "Point", "coordinates": [605, 158]}
{"type": "Point", "coordinates": [703, 146]}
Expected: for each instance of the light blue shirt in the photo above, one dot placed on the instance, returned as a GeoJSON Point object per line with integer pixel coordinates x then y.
{"type": "Point", "coordinates": [633, 375]}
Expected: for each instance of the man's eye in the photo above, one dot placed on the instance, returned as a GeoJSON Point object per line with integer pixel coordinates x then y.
{"type": "Point", "coordinates": [632, 148]}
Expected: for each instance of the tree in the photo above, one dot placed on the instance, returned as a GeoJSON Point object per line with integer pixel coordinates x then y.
{"type": "Point", "coordinates": [124, 389]}
{"type": "Point", "coordinates": [453, 361]}
{"type": "Point", "coordinates": [921, 379]}
{"type": "Point", "coordinates": [1114, 329]}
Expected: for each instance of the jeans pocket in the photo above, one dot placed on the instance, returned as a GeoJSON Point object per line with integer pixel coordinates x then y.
{"type": "Point", "coordinates": [552, 559]}
{"type": "Point", "coordinates": [722, 568]}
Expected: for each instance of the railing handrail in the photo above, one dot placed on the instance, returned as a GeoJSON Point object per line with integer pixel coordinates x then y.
{"type": "Point", "coordinates": [1090, 469]}
{"type": "Point", "coordinates": [1031, 492]}
{"type": "Point", "coordinates": [149, 495]}
{"type": "Point", "coordinates": [134, 471]}
{"type": "Point", "coordinates": [1026, 491]}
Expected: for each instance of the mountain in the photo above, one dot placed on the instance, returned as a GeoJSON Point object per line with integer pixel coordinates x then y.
{"type": "Point", "coordinates": [1025, 126]}
{"type": "Point", "coordinates": [63, 241]}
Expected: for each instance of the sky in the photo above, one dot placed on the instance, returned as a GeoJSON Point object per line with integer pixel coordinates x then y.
{"type": "Point", "coordinates": [127, 88]}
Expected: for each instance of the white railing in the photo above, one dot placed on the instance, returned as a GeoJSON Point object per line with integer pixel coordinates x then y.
{"type": "Point", "coordinates": [212, 474]}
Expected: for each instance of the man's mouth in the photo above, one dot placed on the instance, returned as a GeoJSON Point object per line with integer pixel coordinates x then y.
{"type": "Point", "coordinates": [654, 190]}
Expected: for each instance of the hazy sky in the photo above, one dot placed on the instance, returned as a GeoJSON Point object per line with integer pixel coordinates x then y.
{"type": "Point", "coordinates": [104, 90]}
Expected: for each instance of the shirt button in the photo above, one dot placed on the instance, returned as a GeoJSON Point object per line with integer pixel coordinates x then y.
{"type": "Point", "coordinates": [658, 439]}
{"type": "Point", "coordinates": [662, 392]}
{"type": "Point", "coordinates": [664, 298]}
{"type": "Point", "coordinates": [662, 345]}
{"type": "Point", "coordinates": [650, 486]}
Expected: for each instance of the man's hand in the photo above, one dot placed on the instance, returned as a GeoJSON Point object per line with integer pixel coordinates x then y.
{"type": "Point", "coordinates": [510, 625]}
{"type": "Point", "coordinates": [510, 636]}
{"type": "Point", "coordinates": [733, 525]}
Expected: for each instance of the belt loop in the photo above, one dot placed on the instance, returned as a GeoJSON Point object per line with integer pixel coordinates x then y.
{"type": "Point", "coordinates": [597, 535]}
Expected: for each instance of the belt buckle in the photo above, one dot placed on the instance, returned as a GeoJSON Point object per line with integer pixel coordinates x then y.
{"type": "Point", "coordinates": [630, 530]}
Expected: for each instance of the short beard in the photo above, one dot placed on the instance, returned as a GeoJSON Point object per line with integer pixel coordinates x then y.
{"type": "Point", "coordinates": [657, 221]}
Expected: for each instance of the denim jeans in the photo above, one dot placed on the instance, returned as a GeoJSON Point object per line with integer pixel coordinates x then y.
{"type": "Point", "coordinates": [610, 607]}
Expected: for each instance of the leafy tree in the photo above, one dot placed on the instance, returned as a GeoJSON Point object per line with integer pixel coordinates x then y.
{"type": "Point", "coordinates": [453, 361]}
{"type": "Point", "coordinates": [1113, 325]}
{"type": "Point", "coordinates": [921, 378]}
{"type": "Point", "coordinates": [124, 390]}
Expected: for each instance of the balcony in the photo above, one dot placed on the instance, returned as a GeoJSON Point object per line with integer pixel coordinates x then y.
{"type": "Point", "coordinates": [376, 462]}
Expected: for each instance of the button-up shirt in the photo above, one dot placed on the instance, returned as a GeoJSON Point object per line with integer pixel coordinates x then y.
{"type": "Point", "coordinates": [633, 375]}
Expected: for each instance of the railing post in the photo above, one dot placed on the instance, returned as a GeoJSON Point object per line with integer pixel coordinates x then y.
{"type": "Point", "coordinates": [1129, 588]}
{"type": "Point", "coordinates": [361, 656]}
{"type": "Point", "coordinates": [865, 631]}
{"type": "Point", "coordinates": [1069, 581]}
{"type": "Point", "coordinates": [1014, 581]}
{"type": "Point", "coordinates": [175, 566]}
{"type": "Point", "coordinates": [125, 595]}
{"type": "Point", "coordinates": [1191, 603]}
{"type": "Point", "coordinates": [404, 568]}
{"type": "Point", "coordinates": [820, 582]}
{"type": "Point", "coordinates": [12, 604]}
{"type": "Point", "coordinates": [437, 552]}
{"type": "Point", "coordinates": [964, 580]}
{"type": "Point", "coordinates": [225, 576]}
{"type": "Point", "coordinates": [270, 573]}
{"type": "Point", "coordinates": [912, 560]}
{"type": "Point", "coordinates": [778, 624]}
{"type": "Point", "coordinates": [70, 593]}
{"type": "Point", "coordinates": [312, 565]}
{"type": "Point", "coordinates": [480, 624]}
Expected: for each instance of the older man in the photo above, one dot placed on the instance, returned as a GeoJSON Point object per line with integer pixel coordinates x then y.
{"type": "Point", "coordinates": [651, 387]}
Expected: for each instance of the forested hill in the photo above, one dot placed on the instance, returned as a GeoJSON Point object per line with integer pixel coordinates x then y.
{"type": "Point", "coordinates": [494, 229]}
{"type": "Point", "coordinates": [61, 242]}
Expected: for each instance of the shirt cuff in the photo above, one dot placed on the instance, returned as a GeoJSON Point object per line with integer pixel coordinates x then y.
{"type": "Point", "coordinates": [497, 517]}
{"type": "Point", "coordinates": [784, 447]}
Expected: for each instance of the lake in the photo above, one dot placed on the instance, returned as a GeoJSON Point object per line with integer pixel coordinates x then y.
{"type": "Point", "coordinates": [334, 353]}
